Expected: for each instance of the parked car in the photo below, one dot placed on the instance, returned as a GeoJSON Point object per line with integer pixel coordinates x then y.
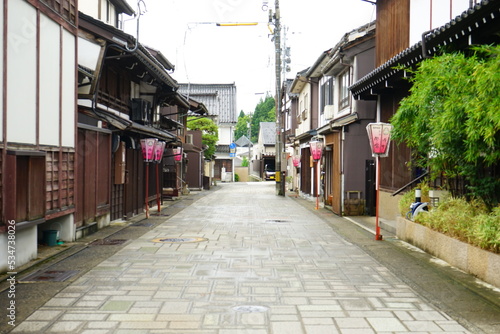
{"type": "Point", "coordinates": [269, 174]}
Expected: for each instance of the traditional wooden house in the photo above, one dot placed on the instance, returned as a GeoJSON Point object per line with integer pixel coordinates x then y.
{"type": "Point", "coordinates": [38, 125]}
{"type": "Point", "coordinates": [123, 85]}
{"type": "Point", "coordinates": [220, 101]}
{"type": "Point", "coordinates": [328, 113]}
{"type": "Point", "coordinates": [409, 31]}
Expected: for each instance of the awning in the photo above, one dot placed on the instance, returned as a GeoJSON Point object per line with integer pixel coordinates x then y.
{"type": "Point", "coordinates": [190, 148]}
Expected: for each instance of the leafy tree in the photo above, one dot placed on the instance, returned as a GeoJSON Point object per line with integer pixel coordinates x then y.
{"type": "Point", "coordinates": [210, 133]}
{"type": "Point", "coordinates": [265, 111]}
{"type": "Point", "coordinates": [451, 119]}
{"type": "Point", "coordinates": [241, 127]}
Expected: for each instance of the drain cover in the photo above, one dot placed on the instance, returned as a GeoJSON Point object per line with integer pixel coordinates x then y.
{"type": "Point", "coordinates": [250, 308]}
{"type": "Point", "coordinates": [143, 224]}
{"type": "Point", "coordinates": [106, 242]}
{"type": "Point", "coordinates": [277, 221]}
{"type": "Point", "coordinates": [49, 276]}
{"type": "Point", "coordinates": [176, 240]}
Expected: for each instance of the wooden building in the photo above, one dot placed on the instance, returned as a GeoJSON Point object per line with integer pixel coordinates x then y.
{"type": "Point", "coordinates": [406, 34]}
{"type": "Point", "coordinates": [38, 124]}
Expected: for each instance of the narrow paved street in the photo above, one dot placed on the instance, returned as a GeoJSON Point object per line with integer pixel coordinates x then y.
{"type": "Point", "coordinates": [242, 260]}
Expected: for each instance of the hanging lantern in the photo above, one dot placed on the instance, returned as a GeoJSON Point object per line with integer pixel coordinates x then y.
{"type": "Point", "coordinates": [178, 154]}
{"type": "Point", "coordinates": [316, 148]}
{"type": "Point", "coordinates": [379, 135]}
{"type": "Point", "coordinates": [296, 160]}
{"type": "Point", "coordinates": [158, 151]}
{"type": "Point", "coordinates": [148, 146]}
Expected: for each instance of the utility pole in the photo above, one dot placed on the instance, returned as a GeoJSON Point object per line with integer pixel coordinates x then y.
{"type": "Point", "coordinates": [280, 184]}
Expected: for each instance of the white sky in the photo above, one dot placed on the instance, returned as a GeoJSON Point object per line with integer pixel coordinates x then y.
{"type": "Point", "coordinates": [185, 32]}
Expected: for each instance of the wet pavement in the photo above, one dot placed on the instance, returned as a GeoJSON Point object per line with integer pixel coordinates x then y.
{"type": "Point", "coordinates": [240, 259]}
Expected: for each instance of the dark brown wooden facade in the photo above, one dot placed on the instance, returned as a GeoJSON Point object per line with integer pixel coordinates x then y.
{"type": "Point", "coordinates": [393, 28]}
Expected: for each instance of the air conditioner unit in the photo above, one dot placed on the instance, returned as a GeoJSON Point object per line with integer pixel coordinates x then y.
{"type": "Point", "coordinates": [189, 139]}
{"type": "Point", "coordinates": [141, 111]}
{"type": "Point", "coordinates": [329, 111]}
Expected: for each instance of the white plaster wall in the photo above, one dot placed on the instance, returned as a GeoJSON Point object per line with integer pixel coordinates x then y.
{"type": "Point", "coordinates": [21, 69]}
{"type": "Point", "coordinates": [50, 46]}
{"type": "Point", "coordinates": [443, 11]}
{"type": "Point", "coordinates": [89, 7]}
{"type": "Point", "coordinates": [225, 135]}
{"type": "Point", "coordinates": [68, 90]}
{"type": "Point", "coordinates": [28, 239]}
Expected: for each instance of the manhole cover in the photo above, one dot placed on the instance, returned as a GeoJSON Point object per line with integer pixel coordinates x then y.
{"type": "Point", "coordinates": [176, 240]}
{"type": "Point", "coordinates": [106, 242]}
{"type": "Point", "coordinates": [49, 276]}
{"type": "Point", "coordinates": [250, 308]}
{"type": "Point", "coordinates": [143, 224]}
{"type": "Point", "coordinates": [277, 221]}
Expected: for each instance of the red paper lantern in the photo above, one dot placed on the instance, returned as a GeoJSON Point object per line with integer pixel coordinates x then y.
{"type": "Point", "coordinates": [316, 148]}
{"type": "Point", "coordinates": [148, 146]}
{"type": "Point", "coordinates": [296, 160]}
{"type": "Point", "coordinates": [379, 135]}
{"type": "Point", "coordinates": [158, 151]}
{"type": "Point", "coordinates": [178, 154]}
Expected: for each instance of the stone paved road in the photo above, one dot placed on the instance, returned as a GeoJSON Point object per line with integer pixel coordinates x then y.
{"type": "Point", "coordinates": [263, 264]}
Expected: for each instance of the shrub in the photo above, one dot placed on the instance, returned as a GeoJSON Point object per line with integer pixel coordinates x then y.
{"type": "Point", "coordinates": [468, 221]}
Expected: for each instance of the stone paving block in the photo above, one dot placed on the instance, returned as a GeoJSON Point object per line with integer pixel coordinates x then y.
{"type": "Point", "coordinates": [318, 329]}
{"type": "Point", "coordinates": [287, 327]}
{"type": "Point", "coordinates": [102, 324]}
{"type": "Point", "coordinates": [66, 326]}
{"type": "Point", "coordinates": [117, 306]}
{"type": "Point", "coordinates": [387, 325]}
{"type": "Point", "coordinates": [44, 315]}
{"type": "Point", "coordinates": [31, 327]}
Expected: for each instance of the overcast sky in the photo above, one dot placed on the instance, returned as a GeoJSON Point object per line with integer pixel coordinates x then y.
{"type": "Point", "coordinates": [185, 31]}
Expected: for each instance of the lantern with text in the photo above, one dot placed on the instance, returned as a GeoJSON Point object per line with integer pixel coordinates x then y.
{"type": "Point", "coordinates": [178, 154]}
{"type": "Point", "coordinates": [296, 160]}
{"type": "Point", "coordinates": [158, 151]}
{"type": "Point", "coordinates": [148, 148]}
{"type": "Point", "coordinates": [379, 135]}
{"type": "Point", "coordinates": [316, 148]}
{"type": "Point", "coordinates": [158, 158]}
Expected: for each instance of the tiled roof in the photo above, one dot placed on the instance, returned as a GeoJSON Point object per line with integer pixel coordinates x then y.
{"type": "Point", "coordinates": [267, 134]}
{"type": "Point", "coordinates": [482, 17]}
{"type": "Point", "coordinates": [219, 99]}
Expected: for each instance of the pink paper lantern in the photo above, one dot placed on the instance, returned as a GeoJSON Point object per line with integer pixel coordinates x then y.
{"type": "Point", "coordinates": [316, 148]}
{"type": "Point", "coordinates": [379, 135]}
{"type": "Point", "coordinates": [148, 146]}
{"type": "Point", "coordinates": [178, 154]}
{"type": "Point", "coordinates": [158, 151]}
{"type": "Point", "coordinates": [296, 160]}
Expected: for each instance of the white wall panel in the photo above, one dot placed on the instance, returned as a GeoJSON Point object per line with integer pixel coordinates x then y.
{"type": "Point", "coordinates": [50, 45]}
{"type": "Point", "coordinates": [68, 90]}
{"type": "Point", "coordinates": [21, 73]}
{"type": "Point", "coordinates": [420, 20]}
{"type": "Point", "coordinates": [430, 14]}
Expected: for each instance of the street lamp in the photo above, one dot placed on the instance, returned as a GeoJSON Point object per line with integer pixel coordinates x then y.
{"type": "Point", "coordinates": [316, 148]}
{"type": "Point", "coordinates": [379, 135]}
{"type": "Point", "coordinates": [148, 146]}
{"type": "Point", "coordinates": [158, 158]}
